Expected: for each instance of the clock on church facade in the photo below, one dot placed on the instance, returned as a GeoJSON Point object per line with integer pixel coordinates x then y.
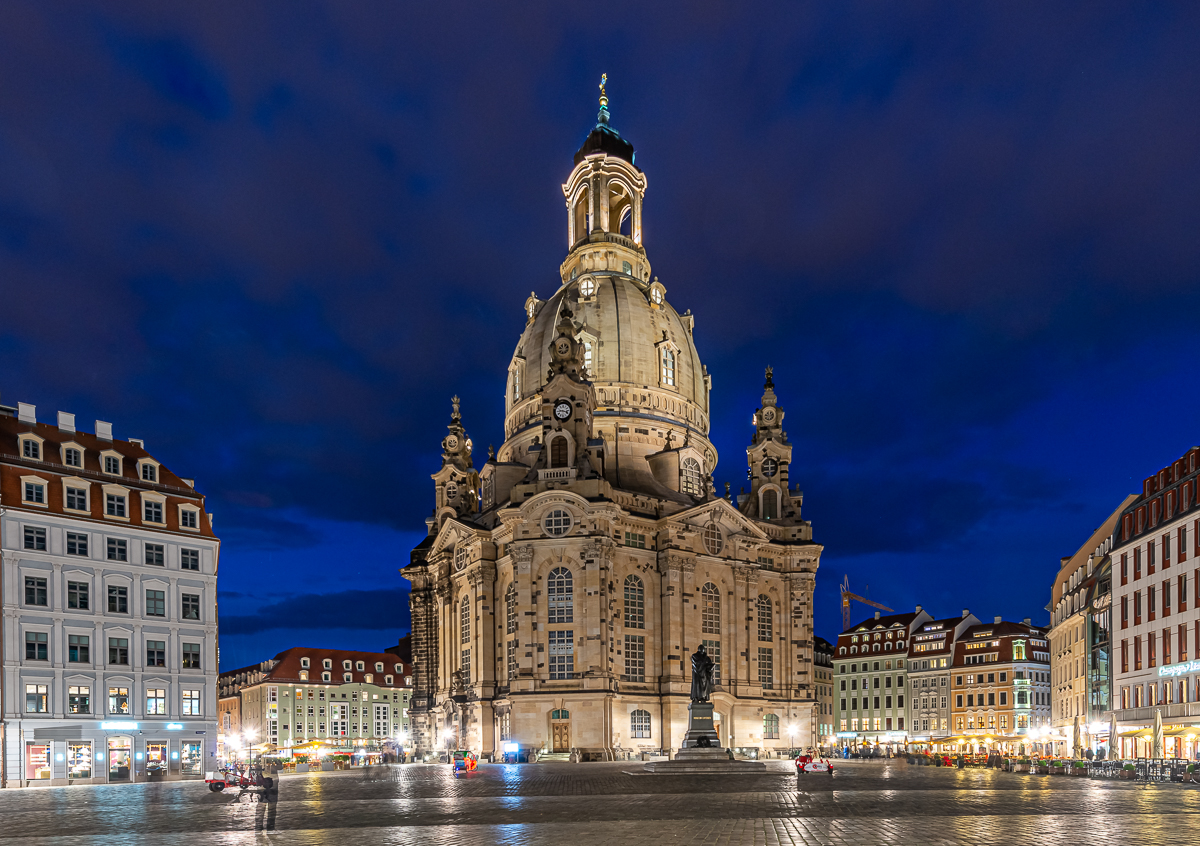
{"type": "Point", "coordinates": [563, 585]}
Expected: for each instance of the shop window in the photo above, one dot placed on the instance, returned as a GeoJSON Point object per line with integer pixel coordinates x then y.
{"type": "Point", "coordinates": [79, 759]}
{"type": "Point", "coordinates": [37, 759]}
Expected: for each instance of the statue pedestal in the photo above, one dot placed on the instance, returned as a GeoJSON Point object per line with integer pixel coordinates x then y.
{"type": "Point", "coordinates": [700, 732]}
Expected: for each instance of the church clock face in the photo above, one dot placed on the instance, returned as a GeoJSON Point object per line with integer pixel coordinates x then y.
{"type": "Point", "coordinates": [563, 347]}
{"type": "Point", "coordinates": [768, 415]}
{"type": "Point", "coordinates": [770, 467]}
{"type": "Point", "coordinates": [562, 410]}
{"type": "Point", "coordinates": [451, 442]}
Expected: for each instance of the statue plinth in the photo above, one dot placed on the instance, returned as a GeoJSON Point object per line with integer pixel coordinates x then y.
{"type": "Point", "coordinates": [701, 733]}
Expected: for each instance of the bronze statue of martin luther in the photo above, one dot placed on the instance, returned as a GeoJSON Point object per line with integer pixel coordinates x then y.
{"type": "Point", "coordinates": [702, 675]}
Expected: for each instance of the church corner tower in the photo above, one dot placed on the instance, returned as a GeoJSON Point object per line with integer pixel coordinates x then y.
{"type": "Point", "coordinates": [562, 586]}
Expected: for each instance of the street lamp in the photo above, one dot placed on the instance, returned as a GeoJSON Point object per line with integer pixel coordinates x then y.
{"type": "Point", "coordinates": [791, 730]}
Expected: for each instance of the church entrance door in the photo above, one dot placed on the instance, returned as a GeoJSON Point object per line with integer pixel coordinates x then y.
{"type": "Point", "coordinates": [560, 730]}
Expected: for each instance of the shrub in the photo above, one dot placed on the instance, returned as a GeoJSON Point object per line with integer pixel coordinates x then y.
{"type": "Point", "coordinates": [1081, 765]}
{"type": "Point", "coordinates": [1191, 768]}
{"type": "Point", "coordinates": [1128, 767]}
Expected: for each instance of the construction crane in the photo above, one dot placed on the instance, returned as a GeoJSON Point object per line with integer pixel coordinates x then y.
{"type": "Point", "coordinates": [847, 596]}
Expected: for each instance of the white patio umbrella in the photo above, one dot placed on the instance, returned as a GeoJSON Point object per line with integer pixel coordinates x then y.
{"type": "Point", "coordinates": [1114, 742]}
{"type": "Point", "coordinates": [1076, 741]}
{"type": "Point", "coordinates": [1157, 742]}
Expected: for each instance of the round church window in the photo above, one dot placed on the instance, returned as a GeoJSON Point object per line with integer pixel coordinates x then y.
{"type": "Point", "coordinates": [587, 286]}
{"type": "Point", "coordinates": [713, 541]}
{"type": "Point", "coordinates": [557, 523]}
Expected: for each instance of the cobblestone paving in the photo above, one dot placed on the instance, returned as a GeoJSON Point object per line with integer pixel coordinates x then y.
{"type": "Point", "coordinates": [585, 804]}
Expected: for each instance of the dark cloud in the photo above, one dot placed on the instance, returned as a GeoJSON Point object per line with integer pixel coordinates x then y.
{"type": "Point", "coordinates": [381, 610]}
{"type": "Point", "coordinates": [274, 239]}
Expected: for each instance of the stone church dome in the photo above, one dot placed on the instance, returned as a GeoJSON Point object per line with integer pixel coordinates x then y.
{"type": "Point", "coordinates": [625, 334]}
{"type": "Point", "coordinates": [638, 352]}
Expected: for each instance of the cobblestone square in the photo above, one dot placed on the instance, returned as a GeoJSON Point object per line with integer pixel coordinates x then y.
{"type": "Point", "coordinates": [584, 804]}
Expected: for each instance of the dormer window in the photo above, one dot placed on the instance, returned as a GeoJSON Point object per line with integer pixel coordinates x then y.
{"type": "Point", "coordinates": [72, 456]}
{"type": "Point", "coordinates": [149, 471]}
{"type": "Point", "coordinates": [667, 367]}
{"type": "Point", "coordinates": [346, 665]}
{"type": "Point", "coordinates": [361, 666]}
{"type": "Point", "coordinates": [112, 463]}
{"type": "Point", "coordinates": [327, 664]}
{"type": "Point", "coordinates": [347, 677]}
{"type": "Point", "coordinates": [396, 667]}
{"type": "Point", "coordinates": [379, 667]}
{"type": "Point", "coordinates": [304, 663]}
{"type": "Point", "coordinates": [690, 480]}
{"type": "Point", "coordinates": [31, 448]}
{"type": "Point", "coordinates": [325, 677]}
{"type": "Point", "coordinates": [189, 517]}
{"type": "Point", "coordinates": [387, 680]}
{"type": "Point", "coordinates": [369, 679]}
{"type": "Point", "coordinates": [304, 675]}
{"type": "Point", "coordinates": [33, 490]}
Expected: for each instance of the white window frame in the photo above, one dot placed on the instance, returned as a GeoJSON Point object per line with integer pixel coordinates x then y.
{"type": "Point", "coordinates": [76, 482]}
{"type": "Point", "coordinates": [188, 507]}
{"type": "Point", "coordinates": [62, 454]}
{"type": "Point", "coordinates": [112, 453]}
{"type": "Point", "coordinates": [115, 490]}
{"type": "Point", "coordinates": [37, 439]}
{"type": "Point", "coordinates": [149, 462]}
{"type": "Point", "coordinates": [44, 484]}
{"type": "Point", "coordinates": [150, 496]}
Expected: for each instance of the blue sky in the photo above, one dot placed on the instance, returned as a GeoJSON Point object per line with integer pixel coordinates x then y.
{"type": "Point", "coordinates": [273, 240]}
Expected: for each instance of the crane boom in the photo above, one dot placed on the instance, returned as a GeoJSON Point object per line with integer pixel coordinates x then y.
{"type": "Point", "coordinates": [847, 596]}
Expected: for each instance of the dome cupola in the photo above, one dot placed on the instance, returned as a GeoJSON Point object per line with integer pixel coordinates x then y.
{"type": "Point", "coordinates": [637, 351]}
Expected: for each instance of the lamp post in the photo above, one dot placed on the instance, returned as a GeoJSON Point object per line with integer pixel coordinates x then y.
{"type": "Point", "coordinates": [791, 730]}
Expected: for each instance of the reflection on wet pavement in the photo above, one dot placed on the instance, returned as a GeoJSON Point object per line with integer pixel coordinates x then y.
{"type": "Point", "coordinates": [582, 804]}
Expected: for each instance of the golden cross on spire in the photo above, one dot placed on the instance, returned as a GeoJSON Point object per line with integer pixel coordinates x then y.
{"type": "Point", "coordinates": [603, 96]}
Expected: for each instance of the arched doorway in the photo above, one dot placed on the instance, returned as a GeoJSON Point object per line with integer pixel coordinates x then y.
{"type": "Point", "coordinates": [560, 730]}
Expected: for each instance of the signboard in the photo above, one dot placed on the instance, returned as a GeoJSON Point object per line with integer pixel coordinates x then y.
{"type": "Point", "coordinates": [847, 734]}
{"type": "Point", "coordinates": [119, 725]}
{"type": "Point", "coordinates": [1180, 669]}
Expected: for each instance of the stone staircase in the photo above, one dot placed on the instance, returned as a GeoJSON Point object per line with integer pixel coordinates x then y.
{"type": "Point", "coordinates": [554, 756]}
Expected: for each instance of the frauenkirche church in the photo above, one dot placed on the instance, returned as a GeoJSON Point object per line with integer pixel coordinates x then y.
{"type": "Point", "coordinates": [563, 586]}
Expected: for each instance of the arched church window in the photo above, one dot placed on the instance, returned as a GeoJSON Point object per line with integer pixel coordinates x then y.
{"type": "Point", "coordinates": [668, 366]}
{"type": "Point", "coordinates": [639, 723]}
{"type": "Point", "coordinates": [558, 452]}
{"type": "Point", "coordinates": [635, 603]}
{"type": "Point", "coordinates": [557, 523]}
{"type": "Point", "coordinates": [510, 609]}
{"type": "Point", "coordinates": [764, 617]}
{"type": "Point", "coordinates": [464, 619]}
{"type": "Point", "coordinates": [516, 376]}
{"type": "Point", "coordinates": [587, 356]}
{"type": "Point", "coordinates": [559, 596]}
{"type": "Point", "coordinates": [770, 504]}
{"type": "Point", "coordinates": [770, 727]}
{"type": "Point", "coordinates": [690, 473]}
{"type": "Point", "coordinates": [461, 554]}
{"type": "Point", "coordinates": [713, 542]}
{"type": "Point", "coordinates": [710, 609]}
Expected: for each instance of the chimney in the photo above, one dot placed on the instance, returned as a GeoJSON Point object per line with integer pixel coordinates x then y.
{"type": "Point", "coordinates": [966, 614]}
{"type": "Point", "coordinates": [996, 620]}
{"type": "Point", "coordinates": [66, 422]}
{"type": "Point", "coordinates": [1028, 621]}
{"type": "Point", "coordinates": [918, 609]}
{"type": "Point", "coordinates": [876, 615]}
{"type": "Point", "coordinates": [103, 430]}
{"type": "Point", "coordinates": [26, 413]}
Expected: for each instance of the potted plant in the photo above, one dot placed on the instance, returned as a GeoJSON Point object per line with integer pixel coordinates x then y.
{"type": "Point", "coordinates": [1056, 768]}
{"type": "Point", "coordinates": [1043, 766]}
{"type": "Point", "coordinates": [1127, 771]}
{"type": "Point", "coordinates": [1079, 768]}
{"type": "Point", "coordinates": [1190, 774]}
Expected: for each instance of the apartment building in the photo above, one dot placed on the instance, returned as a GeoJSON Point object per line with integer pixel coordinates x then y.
{"type": "Point", "coordinates": [1001, 680]}
{"type": "Point", "coordinates": [930, 660]}
{"type": "Point", "coordinates": [1156, 590]}
{"type": "Point", "coordinates": [872, 680]}
{"type": "Point", "coordinates": [340, 701]}
{"type": "Point", "coordinates": [109, 592]}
